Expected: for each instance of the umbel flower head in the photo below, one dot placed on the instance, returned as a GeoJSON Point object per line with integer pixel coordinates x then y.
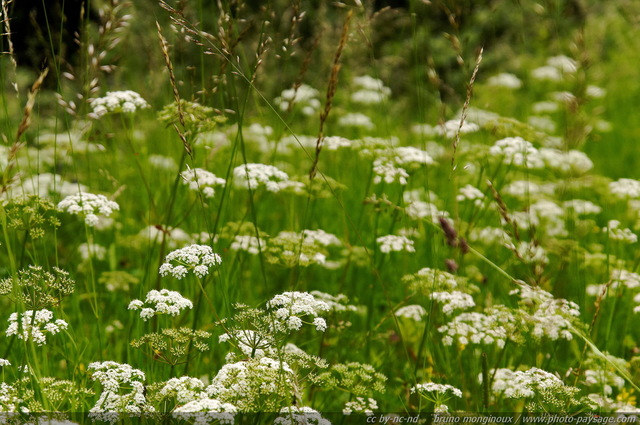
{"type": "Point", "coordinates": [196, 258]}
{"type": "Point", "coordinates": [202, 180]}
{"type": "Point", "coordinates": [251, 176]}
{"type": "Point", "coordinates": [34, 325]}
{"type": "Point", "coordinates": [161, 302]}
{"type": "Point", "coordinates": [115, 402]}
{"type": "Point", "coordinates": [126, 101]}
{"type": "Point", "coordinates": [89, 206]}
{"type": "Point", "coordinates": [290, 307]}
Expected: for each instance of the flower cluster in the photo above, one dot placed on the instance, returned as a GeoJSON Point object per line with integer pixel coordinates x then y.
{"type": "Point", "coordinates": [427, 280]}
{"type": "Point", "coordinates": [394, 243]}
{"type": "Point", "coordinates": [38, 288]}
{"type": "Point", "coordinates": [551, 317]}
{"type": "Point", "coordinates": [251, 176]}
{"type": "Point", "coordinates": [305, 248]}
{"type": "Point", "coordinates": [114, 401]}
{"type": "Point", "coordinates": [471, 193]}
{"type": "Point", "coordinates": [362, 405]}
{"type": "Point", "coordinates": [204, 410]}
{"type": "Point", "coordinates": [202, 180]}
{"type": "Point", "coordinates": [570, 162]}
{"type": "Point", "coordinates": [370, 90]}
{"type": "Point", "coordinates": [555, 69]}
{"type": "Point", "coordinates": [521, 384]}
{"type": "Point", "coordinates": [494, 326]}
{"type": "Point", "coordinates": [505, 80]}
{"type": "Point", "coordinates": [391, 165]}
{"type": "Point", "coordinates": [89, 206]}
{"type": "Point", "coordinates": [305, 96]}
{"type": "Point", "coordinates": [356, 119]}
{"type": "Point", "coordinates": [291, 307]}
{"type": "Point", "coordinates": [616, 233]}
{"type": "Point", "coordinates": [183, 389]}
{"type": "Point", "coordinates": [437, 393]}
{"type": "Point", "coordinates": [295, 415]}
{"type": "Point", "coordinates": [198, 258]}
{"type": "Point", "coordinates": [247, 243]}
{"type": "Point", "coordinates": [625, 188]}
{"type": "Point", "coordinates": [162, 302]}
{"type": "Point", "coordinates": [517, 151]}
{"type": "Point", "coordinates": [118, 101]}
{"type": "Point", "coordinates": [543, 391]}
{"type": "Point", "coordinates": [33, 325]}
{"type": "Point", "coordinates": [430, 387]}
{"type": "Point", "coordinates": [452, 301]}
{"type": "Point", "coordinates": [254, 385]}
{"type": "Point", "coordinates": [413, 312]}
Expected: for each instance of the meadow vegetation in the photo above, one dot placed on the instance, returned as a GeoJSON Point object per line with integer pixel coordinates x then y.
{"type": "Point", "coordinates": [305, 212]}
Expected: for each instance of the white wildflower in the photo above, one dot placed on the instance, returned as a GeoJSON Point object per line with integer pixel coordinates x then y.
{"type": "Point", "coordinates": [202, 180]}
{"type": "Point", "coordinates": [34, 325]}
{"type": "Point", "coordinates": [93, 250]}
{"type": "Point", "coordinates": [385, 170]}
{"type": "Point", "coordinates": [370, 91]}
{"type": "Point", "coordinates": [542, 123]}
{"type": "Point", "coordinates": [490, 236]}
{"type": "Point", "coordinates": [544, 107]}
{"type": "Point", "coordinates": [289, 309]}
{"type": "Point", "coordinates": [430, 387]}
{"type": "Point", "coordinates": [356, 119]}
{"type": "Point", "coordinates": [522, 384]}
{"type": "Point", "coordinates": [563, 63]}
{"type": "Point", "coordinates": [452, 301]}
{"type": "Point", "coordinates": [361, 405]}
{"type": "Point", "coordinates": [524, 189]}
{"type": "Point", "coordinates": [529, 252]}
{"type": "Point", "coordinates": [254, 384]}
{"type": "Point", "coordinates": [336, 303]}
{"type": "Point", "coordinates": [582, 207]}
{"type": "Point", "coordinates": [450, 128]}
{"type": "Point", "coordinates": [506, 80]}
{"type": "Point", "coordinates": [413, 312]}
{"type": "Point", "coordinates": [394, 243]}
{"type": "Point", "coordinates": [198, 258]}
{"type": "Point", "coordinates": [306, 97]}
{"type": "Point", "coordinates": [295, 415]}
{"type": "Point", "coordinates": [122, 393]}
{"type": "Point", "coordinates": [616, 233]}
{"type": "Point", "coordinates": [570, 162]}
{"type": "Point", "coordinates": [162, 162]}
{"type": "Point", "coordinates": [625, 188]}
{"type": "Point", "coordinates": [161, 302]}
{"type": "Point", "coordinates": [251, 176]}
{"type": "Point", "coordinates": [185, 389]}
{"type": "Point", "coordinates": [547, 72]}
{"type": "Point", "coordinates": [471, 193]}
{"type": "Point", "coordinates": [517, 151]}
{"type": "Point", "coordinates": [118, 101]}
{"type": "Point", "coordinates": [418, 210]}
{"type": "Point", "coordinates": [333, 143]}
{"type": "Point", "coordinates": [247, 243]}
{"type": "Point", "coordinates": [204, 411]}
{"type": "Point", "coordinates": [595, 92]}
{"type": "Point", "coordinates": [495, 326]}
{"type": "Point", "coordinates": [89, 206]}
{"type": "Point", "coordinates": [552, 317]}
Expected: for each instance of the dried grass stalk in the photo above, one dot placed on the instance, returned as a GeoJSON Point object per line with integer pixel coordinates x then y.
{"type": "Point", "coordinates": [331, 91]}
